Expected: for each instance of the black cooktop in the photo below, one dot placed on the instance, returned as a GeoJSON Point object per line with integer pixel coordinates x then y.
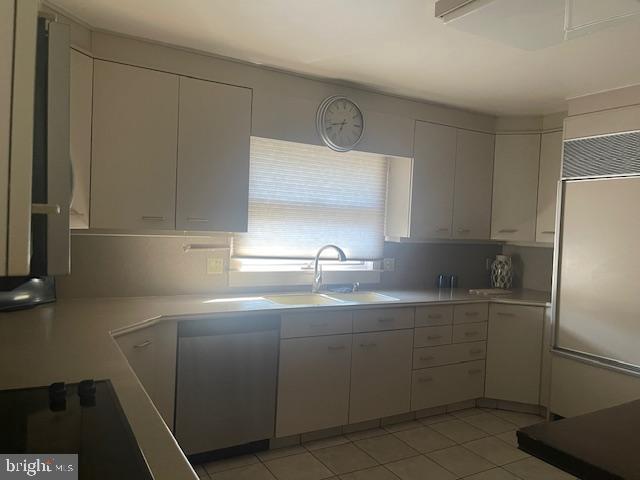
{"type": "Point", "coordinates": [84, 418]}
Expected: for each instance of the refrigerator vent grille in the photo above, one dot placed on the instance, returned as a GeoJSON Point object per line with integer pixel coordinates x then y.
{"type": "Point", "coordinates": [601, 156]}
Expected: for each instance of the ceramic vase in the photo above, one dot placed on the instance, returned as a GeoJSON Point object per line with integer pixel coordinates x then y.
{"type": "Point", "coordinates": [501, 272]}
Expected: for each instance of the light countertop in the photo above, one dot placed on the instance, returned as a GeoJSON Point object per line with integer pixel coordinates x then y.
{"type": "Point", "coordinates": [72, 340]}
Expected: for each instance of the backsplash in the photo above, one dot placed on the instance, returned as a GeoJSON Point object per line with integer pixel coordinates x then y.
{"type": "Point", "coordinates": [532, 266]}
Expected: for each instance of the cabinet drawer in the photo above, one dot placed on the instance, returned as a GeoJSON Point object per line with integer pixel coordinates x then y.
{"type": "Point", "coordinates": [432, 336]}
{"type": "Point", "coordinates": [469, 332]}
{"type": "Point", "coordinates": [433, 387]}
{"type": "Point", "coordinates": [382, 319]}
{"type": "Point", "coordinates": [471, 313]}
{"type": "Point", "coordinates": [432, 316]}
{"type": "Point", "coordinates": [448, 354]}
{"type": "Point", "coordinates": [315, 323]}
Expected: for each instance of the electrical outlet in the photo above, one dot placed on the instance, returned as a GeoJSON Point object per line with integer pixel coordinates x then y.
{"type": "Point", "coordinates": [389, 264]}
{"type": "Point", "coordinates": [215, 265]}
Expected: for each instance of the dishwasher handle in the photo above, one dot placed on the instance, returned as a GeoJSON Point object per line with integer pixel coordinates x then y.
{"type": "Point", "coordinates": [227, 325]}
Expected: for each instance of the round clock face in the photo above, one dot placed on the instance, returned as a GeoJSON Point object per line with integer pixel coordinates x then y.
{"type": "Point", "coordinates": [340, 123]}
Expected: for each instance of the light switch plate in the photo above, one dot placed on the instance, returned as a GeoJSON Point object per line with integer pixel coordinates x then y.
{"type": "Point", "coordinates": [215, 265]}
{"type": "Point", "coordinates": [389, 264]}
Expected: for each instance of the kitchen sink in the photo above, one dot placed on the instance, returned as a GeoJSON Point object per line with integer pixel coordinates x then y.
{"type": "Point", "coordinates": [303, 299]}
{"type": "Point", "coordinates": [363, 297]}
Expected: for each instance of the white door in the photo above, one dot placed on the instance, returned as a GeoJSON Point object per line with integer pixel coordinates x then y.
{"type": "Point", "coordinates": [473, 185]}
{"type": "Point", "coordinates": [515, 187]}
{"type": "Point", "coordinates": [514, 353]}
{"type": "Point", "coordinates": [213, 156]}
{"type": "Point", "coordinates": [313, 384]}
{"type": "Point", "coordinates": [135, 130]}
{"type": "Point", "coordinates": [380, 374]}
{"type": "Point", "coordinates": [550, 164]}
{"type": "Point", "coordinates": [81, 97]}
{"type": "Point", "coordinates": [432, 181]}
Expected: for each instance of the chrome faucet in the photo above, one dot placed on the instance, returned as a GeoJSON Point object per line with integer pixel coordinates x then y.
{"type": "Point", "coordinates": [317, 273]}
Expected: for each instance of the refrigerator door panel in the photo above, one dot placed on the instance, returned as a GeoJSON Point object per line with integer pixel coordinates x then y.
{"type": "Point", "coordinates": [598, 286]}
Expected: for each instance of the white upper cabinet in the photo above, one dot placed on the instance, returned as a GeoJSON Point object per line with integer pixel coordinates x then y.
{"type": "Point", "coordinates": [135, 128]}
{"type": "Point", "coordinates": [213, 156]}
{"type": "Point", "coordinates": [432, 182]}
{"type": "Point", "coordinates": [473, 185]}
{"type": "Point", "coordinates": [515, 187]}
{"type": "Point", "coordinates": [550, 164]}
{"type": "Point", "coordinates": [81, 93]}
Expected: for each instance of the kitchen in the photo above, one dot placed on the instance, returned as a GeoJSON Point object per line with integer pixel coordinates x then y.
{"type": "Point", "coordinates": [271, 262]}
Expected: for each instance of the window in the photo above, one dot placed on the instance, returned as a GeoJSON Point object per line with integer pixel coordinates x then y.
{"type": "Point", "coordinates": [304, 196]}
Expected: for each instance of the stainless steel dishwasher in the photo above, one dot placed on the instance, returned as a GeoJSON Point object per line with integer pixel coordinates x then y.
{"type": "Point", "coordinates": [226, 382]}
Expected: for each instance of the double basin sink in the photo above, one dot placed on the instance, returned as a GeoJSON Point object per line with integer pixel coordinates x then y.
{"type": "Point", "coordinates": [321, 299]}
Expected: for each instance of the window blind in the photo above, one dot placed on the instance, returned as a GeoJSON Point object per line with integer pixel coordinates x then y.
{"type": "Point", "coordinates": [304, 196]}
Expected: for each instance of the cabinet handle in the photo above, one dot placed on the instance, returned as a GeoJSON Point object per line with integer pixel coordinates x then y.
{"type": "Point", "coordinates": [152, 218]}
{"type": "Point", "coordinates": [442, 229]}
{"type": "Point", "coordinates": [197, 219]}
{"type": "Point", "coordinates": [368, 345]}
{"type": "Point", "coordinates": [472, 333]}
{"type": "Point", "coordinates": [425, 379]}
{"type": "Point", "coordinates": [508, 230]}
{"type": "Point", "coordinates": [45, 209]}
{"type": "Point", "coordinates": [506, 314]}
{"type": "Point", "coordinates": [472, 314]}
{"type": "Point", "coordinates": [463, 230]}
{"type": "Point", "coordinates": [426, 359]}
{"type": "Point", "coordinates": [434, 316]}
{"type": "Point", "coordinates": [335, 348]}
{"type": "Point", "coordinates": [433, 337]}
{"type": "Point", "coordinates": [386, 320]}
{"type": "Point", "coordinates": [319, 324]}
{"type": "Point", "coordinates": [474, 371]}
{"type": "Point", "coordinates": [144, 344]}
{"type": "Point", "coordinates": [475, 351]}
{"type": "Point", "coordinates": [549, 231]}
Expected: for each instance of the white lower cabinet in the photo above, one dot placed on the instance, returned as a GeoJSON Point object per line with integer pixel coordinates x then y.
{"type": "Point", "coordinates": [380, 374]}
{"type": "Point", "coordinates": [433, 387]}
{"type": "Point", "coordinates": [313, 383]}
{"type": "Point", "coordinates": [151, 353]}
{"type": "Point", "coordinates": [514, 353]}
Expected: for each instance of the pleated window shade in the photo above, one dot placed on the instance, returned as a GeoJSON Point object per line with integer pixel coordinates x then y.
{"type": "Point", "coordinates": [302, 197]}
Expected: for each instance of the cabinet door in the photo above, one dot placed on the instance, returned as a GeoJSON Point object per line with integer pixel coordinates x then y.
{"type": "Point", "coordinates": [213, 156]}
{"type": "Point", "coordinates": [432, 182]}
{"type": "Point", "coordinates": [135, 130]}
{"type": "Point", "coordinates": [550, 163]}
{"type": "Point", "coordinates": [515, 187]}
{"type": "Point", "coordinates": [514, 353]}
{"type": "Point", "coordinates": [81, 95]}
{"type": "Point", "coordinates": [313, 384]}
{"type": "Point", "coordinates": [473, 185]}
{"type": "Point", "coordinates": [380, 375]}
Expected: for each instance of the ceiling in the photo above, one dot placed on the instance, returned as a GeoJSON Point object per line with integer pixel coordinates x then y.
{"type": "Point", "coordinates": [394, 46]}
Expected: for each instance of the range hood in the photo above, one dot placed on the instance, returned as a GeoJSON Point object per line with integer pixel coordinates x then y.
{"type": "Point", "coordinates": [532, 25]}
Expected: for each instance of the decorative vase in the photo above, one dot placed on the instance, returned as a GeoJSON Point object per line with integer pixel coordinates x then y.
{"type": "Point", "coordinates": [501, 272]}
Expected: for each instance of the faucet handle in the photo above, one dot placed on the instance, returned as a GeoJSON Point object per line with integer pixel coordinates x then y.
{"type": "Point", "coordinates": [355, 287]}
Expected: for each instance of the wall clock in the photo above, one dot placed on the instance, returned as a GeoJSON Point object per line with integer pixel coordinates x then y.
{"type": "Point", "coordinates": [340, 123]}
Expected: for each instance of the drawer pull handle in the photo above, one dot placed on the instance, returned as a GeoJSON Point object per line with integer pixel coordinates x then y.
{"type": "Point", "coordinates": [508, 230]}
{"type": "Point", "coordinates": [474, 371]}
{"type": "Point", "coordinates": [426, 359]}
{"type": "Point", "coordinates": [463, 230]}
{"type": "Point", "coordinates": [335, 348]}
{"type": "Point", "coordinates": [152, 218]}
{"type": "Point", "coordinates": [146, 343]}
{"type": "Point", "coordinates": [548, 231]}
{"type": "Point", "coordinates": [506, 314]}
{"type": "Point", "coordinates": [386, 320]}
{"type": "Point", "coordinates": [434, 316]}
{"type": "Point", "coordinates": [472, 314]}
{"type": "Point", "coordinates": [434, 337]}
{"type": "Point", "coordinates": [319, 324]}
{"type": "Point", "coordinates": [472, 333]}
{"type": "Point", "coordinates": [442, 229]}
{"type": "Point", "coordinates": [197, 219]}
{"type": "Point", "coordinates": [368, 345]}
{"type": "Point", "coordinates": [425, 379]}
{"type": "Point", "coordinates": [475, 351]}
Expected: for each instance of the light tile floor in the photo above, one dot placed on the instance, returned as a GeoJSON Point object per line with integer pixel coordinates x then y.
{"type": "Point", "coordinates": [475, 444]}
